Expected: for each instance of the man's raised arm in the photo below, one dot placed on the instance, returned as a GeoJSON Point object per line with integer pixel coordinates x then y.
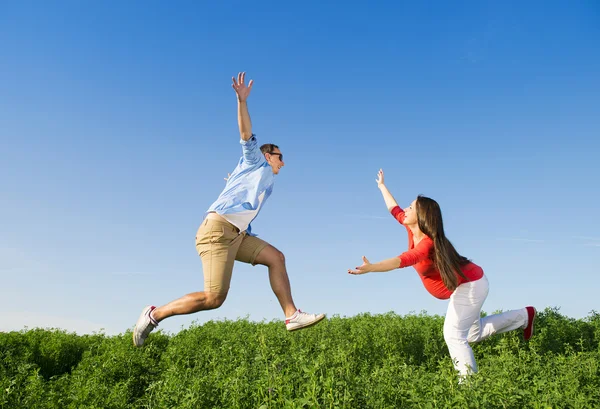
{"type": "Point", "coordinates": [242, 92]}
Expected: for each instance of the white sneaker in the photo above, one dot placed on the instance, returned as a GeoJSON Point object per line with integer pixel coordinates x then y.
{"type": "Point", "coordinates": [302, 320]}
{"type": "Point", "coordinates": [144, 325]}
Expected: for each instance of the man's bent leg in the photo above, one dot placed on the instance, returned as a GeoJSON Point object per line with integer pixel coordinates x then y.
{"type": "Point", "coordinates": [256, 251]}
{"type": "Point", "coordinates": [280, 283]}
{"type": "Point", "coordinates": [217, 244]}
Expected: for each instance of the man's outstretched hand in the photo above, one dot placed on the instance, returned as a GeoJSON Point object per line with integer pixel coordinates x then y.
{"type": "Point", "coordinates": [241, 89]}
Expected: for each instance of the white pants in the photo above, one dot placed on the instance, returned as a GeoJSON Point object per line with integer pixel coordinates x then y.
{"type": "Point", "coordinates": [463, 324]}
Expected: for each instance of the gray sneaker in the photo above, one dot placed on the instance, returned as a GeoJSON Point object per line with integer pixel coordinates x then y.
{"type": "Point", "coordinates": [302, 320]}
{"type": "Point", "coordinates": [143, 326]}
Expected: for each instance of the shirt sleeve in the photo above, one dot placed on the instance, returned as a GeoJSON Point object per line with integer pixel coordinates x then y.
{"type": "Point", "coordinates": [398, 214]}
{"type": "Point", "coordinates": [251, 153]}
{"type": "Point", "coordinates": [416, 255]}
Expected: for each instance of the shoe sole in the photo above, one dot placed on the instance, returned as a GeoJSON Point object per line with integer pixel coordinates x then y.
{"type": "Point", "coordinates": [307, 325]}
{"type": "Point", "coordinates": [532, 323]}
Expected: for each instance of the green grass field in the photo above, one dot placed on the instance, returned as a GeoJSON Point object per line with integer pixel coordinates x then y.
{"type": "Point", "coordinates": [367, 361]}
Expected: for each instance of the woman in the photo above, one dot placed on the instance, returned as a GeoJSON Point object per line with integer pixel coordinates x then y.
{"type": "Point", "coordinates": [447, 274]}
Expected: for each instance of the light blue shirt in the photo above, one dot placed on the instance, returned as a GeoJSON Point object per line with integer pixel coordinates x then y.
{"type": "Point", "coordinates": [252, 176]}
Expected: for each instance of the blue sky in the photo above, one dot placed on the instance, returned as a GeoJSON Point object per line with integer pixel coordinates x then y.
{"type": "Point", "coordinates": [118, 124]}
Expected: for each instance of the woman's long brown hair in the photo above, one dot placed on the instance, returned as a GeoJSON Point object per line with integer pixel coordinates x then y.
{"type": "Point", "coordinates": [444, 255]}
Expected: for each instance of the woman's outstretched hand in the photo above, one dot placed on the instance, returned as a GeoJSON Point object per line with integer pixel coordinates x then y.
{"type": "Point", "coordinates": [362, 269]}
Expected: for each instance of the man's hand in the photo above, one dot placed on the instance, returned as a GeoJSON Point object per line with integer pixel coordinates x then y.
{"type": "Point", "coordinates": [240, 87]}
{"type": "Point", "coordinates": [228, 176]}
{"type": "Point", "coordinates": [362, 269]}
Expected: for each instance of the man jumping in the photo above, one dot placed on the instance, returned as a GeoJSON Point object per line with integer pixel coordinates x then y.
{"type": "Point", "coordinates": [225, 234]}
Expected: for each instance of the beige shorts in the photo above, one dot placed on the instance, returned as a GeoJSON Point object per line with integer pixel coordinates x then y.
{"type": "Point", "coordinates": [219, 244]}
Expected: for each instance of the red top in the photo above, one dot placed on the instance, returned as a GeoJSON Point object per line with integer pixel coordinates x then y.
{"type": "Point", "coordinates": [418, 257]}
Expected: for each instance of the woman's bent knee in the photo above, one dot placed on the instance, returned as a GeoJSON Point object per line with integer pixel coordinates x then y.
{"type": "Point", "coordinates": [454, 337]}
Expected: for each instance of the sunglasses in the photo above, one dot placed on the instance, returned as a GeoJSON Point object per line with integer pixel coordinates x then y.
{"type": "Point", "coordinates": [280, 155]}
